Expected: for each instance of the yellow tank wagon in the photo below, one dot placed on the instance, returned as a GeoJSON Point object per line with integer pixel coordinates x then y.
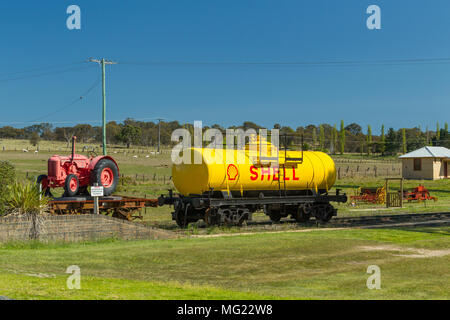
{"type": "Point", "coordinates": [315, 172]}
{"type": "Point", "coordinates": [227, 186]}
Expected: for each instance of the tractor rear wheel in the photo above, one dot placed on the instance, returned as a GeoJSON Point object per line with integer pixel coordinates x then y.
{"type": "Point", "coordinates": [106, 174]}
{"type": "Point", "coordinates": [71, 185]}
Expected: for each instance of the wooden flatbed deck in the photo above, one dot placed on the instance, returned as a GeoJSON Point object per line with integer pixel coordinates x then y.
{"type": "Point", "coordinates": [118, 206]}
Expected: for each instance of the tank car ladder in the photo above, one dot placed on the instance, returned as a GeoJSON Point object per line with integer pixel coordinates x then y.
{"type": "Point", "coordinates": [282, 167]}
{"type": "Point", "coordinates": [281, 174]}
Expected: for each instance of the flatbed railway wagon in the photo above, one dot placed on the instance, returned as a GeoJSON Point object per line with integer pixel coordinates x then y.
{"type": "Point", "coordinates": [291, 183]}
{"type": "Point", "coordinates": [121, 207]}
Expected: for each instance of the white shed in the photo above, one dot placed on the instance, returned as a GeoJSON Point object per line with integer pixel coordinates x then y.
{"type": "Point", "coordinates": [426, 163]}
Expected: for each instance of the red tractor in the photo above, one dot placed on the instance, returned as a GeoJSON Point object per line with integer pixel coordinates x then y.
{"type": "Point", "coordinates": [76, 172]}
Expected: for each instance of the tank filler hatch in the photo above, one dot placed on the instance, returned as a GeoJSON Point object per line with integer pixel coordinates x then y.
{"type": "Point", "coordinates": [287, 159]}
{"type": "Point", "coordinates": [265, 153]}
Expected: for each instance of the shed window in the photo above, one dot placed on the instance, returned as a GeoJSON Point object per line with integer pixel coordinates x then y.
{"type": "Point", "coordinates": [417, 164]}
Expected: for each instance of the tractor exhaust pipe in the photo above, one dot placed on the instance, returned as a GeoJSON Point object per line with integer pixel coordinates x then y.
{"type": "Point", "coordinates": [73, 146]}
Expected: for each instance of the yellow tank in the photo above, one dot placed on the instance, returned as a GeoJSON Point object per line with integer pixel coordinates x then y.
{"type": "Point", "coordinates": [316, 171]}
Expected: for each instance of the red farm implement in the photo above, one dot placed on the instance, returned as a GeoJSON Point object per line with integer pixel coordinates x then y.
{"type": "Point", "coordinates": [419, 193]}
{"type": "Point", "coordinates": [370, 195]}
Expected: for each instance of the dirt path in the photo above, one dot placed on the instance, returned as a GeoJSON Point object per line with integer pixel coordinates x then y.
{"type": "Point", "coordinates": [408, 252]}
{"type": "Point", "coordinates": [388, 225]}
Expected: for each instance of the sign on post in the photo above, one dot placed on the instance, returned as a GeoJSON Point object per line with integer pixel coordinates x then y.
{"type": "Point", "coordinates": [96, 191]}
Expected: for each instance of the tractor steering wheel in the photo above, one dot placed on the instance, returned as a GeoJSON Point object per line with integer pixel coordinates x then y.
{"type": "Point", "coordinates": [92, 154]}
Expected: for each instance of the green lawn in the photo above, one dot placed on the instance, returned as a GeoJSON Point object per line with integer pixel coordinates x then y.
{"type": "Point", "coordinates": [304, 265]}
{"type": "Point", "coordinates": [25, 287]}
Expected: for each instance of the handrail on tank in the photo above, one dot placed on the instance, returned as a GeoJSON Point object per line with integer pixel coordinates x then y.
{"type": "Point", "coordinates": [288, 159]}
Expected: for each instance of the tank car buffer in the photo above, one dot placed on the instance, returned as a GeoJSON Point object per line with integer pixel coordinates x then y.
{"type": "Point", "coordinates": [75, 173]}
{"type": "Point", "coordinates": [295, 184]}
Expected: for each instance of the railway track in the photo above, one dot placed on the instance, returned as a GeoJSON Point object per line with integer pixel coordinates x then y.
{"type": "Point", "coordinates": [393, 218]}
{"type": "Point", "coordinates": [380, 221]}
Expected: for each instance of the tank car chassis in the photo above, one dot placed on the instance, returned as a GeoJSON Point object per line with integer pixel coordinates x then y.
{"type": "Point", "coordinates": [223, 208]}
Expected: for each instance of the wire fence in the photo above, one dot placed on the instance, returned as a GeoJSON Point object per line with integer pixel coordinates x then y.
{"type": "Point", "coordinates": [367, 171]}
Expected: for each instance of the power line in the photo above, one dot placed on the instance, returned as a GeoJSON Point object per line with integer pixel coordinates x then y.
{"type": "Point", "coordinates": [41, 68]}
{"type": "Point", "coordinates": [82, 96]}
{"type": "Point", "coordinates": [45, 74]}
{"type": "Point", "coordinates": [85, 121]}
{"type": "Point", "coordinates": [296, 63]}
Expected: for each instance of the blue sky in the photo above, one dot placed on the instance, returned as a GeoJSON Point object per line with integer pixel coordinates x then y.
{"type": "Point", "coordinates": [133, 33]}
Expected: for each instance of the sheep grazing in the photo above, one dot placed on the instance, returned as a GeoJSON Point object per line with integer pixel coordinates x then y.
{"type": "Point", "coordinates": [135, 156]}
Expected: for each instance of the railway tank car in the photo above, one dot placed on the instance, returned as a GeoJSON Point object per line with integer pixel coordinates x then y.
{"type": "Point", "coordinates": [228, 186]}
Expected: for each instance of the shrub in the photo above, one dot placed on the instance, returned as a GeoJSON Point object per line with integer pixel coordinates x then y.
{"type": "Point", "coordinates": [24, 199]}
{"type": "Point", "coordinates": [7, 177]}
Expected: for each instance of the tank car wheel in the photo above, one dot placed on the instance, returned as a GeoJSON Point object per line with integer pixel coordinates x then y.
{"type": "Point", "coordinates": [324, 212]}
{"type": "Point", "coordinates": [71, 185]}
{"type": "Point", "coordinates": [301, 215]}
{"type": "Point", "coordinates": [180, 219]}
{"type": "Point", "coordinates": [211, 218]}
{"type": "Point", "coordinates": [182, 215]}
{"type": "Point", "coordinates": [274, 215]}
{"type": "Point", "coordinates": [106, 174]}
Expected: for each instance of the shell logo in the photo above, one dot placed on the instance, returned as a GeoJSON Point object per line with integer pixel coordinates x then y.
{"type": "Point", "coordinates": [232, 172]}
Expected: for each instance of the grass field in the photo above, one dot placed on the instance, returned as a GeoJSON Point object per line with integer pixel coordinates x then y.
{"type": "Point", "coordinates": [414, 264]}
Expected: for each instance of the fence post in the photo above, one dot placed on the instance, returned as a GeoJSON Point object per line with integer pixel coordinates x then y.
{"type": "Point", "coordinates": [145, 208]}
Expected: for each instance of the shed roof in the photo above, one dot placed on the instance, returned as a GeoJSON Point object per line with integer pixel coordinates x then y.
{"type": "Point", "coordinates": [428, 152]}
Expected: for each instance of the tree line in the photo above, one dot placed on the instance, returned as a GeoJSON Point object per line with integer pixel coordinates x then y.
{"type": "Point", "coordinates": [331, 138]}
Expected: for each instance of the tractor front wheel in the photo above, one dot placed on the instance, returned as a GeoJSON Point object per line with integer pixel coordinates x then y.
{"type": "Point", "coordinates": [71, 185]}
{"type": "Point", "coordinates": [106, 174]}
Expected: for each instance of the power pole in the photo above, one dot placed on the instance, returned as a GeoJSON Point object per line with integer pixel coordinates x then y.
{"type": "Point", "coordinates": [103, 62]}
{"type": "Point", "coordinates": [159, 133]}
